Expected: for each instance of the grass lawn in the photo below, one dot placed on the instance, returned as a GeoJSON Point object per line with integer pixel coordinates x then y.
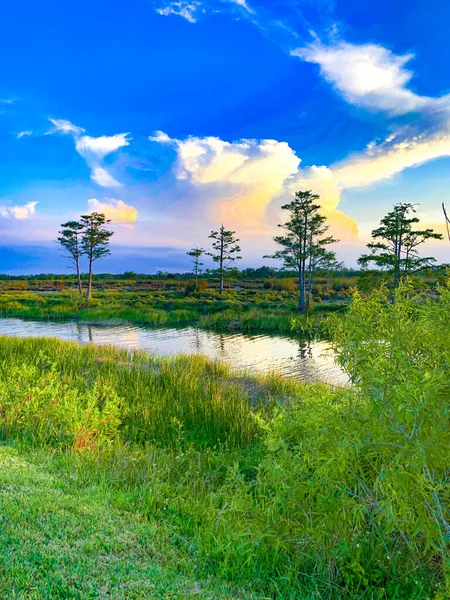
{"type": "Point", "coordinates": [62, 540]}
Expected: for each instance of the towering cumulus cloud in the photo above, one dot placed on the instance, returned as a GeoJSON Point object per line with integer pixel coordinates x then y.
{"type": "Point", "coordinates": [241, 180]}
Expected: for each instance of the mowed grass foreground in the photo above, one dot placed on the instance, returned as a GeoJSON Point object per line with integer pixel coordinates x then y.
{"type": "Point", "coordinates": [128, 476]}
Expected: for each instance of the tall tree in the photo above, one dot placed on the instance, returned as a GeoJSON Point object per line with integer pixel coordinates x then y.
{"type": "Point", "coordinates": [224, 253]}
{"type": "Point", "coordinates": [302, 247]}
{"type": "Point", "coordinates": [396, 242]}
{"type": "Point", "coordinates": [195, 254]}
{"type": "Point", "coordinates": [95, 241]}
{"type": "Point", "coordinates": [70, 238]}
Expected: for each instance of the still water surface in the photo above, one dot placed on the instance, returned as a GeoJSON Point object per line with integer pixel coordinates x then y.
{"type": "Point", "coordinates": [288, 356]}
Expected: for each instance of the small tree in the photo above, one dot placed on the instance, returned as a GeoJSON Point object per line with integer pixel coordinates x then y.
{"type": "Point", "coordinates": [303, 245]}
{"type": "Point", "coordinates": [95, 241]}
{"type": "Point", "coordinates": [395, 243]}
{"type": "Point", "coordinates": [196, 253]}
{"type": "Point", "coordinates": [70, 238]}
{"type": "Point", "coordinates": [225, 249]}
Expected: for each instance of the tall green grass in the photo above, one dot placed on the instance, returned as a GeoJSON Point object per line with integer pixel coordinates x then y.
{"type": "Point", "coordinates": [289, 490]}
{"type": "Point", "coordinates": [244, 311]}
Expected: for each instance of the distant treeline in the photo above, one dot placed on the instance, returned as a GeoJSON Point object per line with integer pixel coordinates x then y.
{"type": "Point", "coordinates": [250, 273]}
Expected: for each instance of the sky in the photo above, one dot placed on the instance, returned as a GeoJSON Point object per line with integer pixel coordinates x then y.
{"type": "Point", "coordinates": [173, 117]}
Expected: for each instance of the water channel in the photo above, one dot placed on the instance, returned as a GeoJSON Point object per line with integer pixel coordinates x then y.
{"type": "Point", "coordinates": [287, 355]}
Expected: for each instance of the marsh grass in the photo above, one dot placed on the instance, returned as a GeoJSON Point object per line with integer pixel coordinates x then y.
{"type": "Point", "coordinates": [244, 311]}
{"type": "Point", "coordinates": [279, 489]}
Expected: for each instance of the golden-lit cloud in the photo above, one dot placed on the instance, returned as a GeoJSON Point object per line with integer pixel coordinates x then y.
{"type": "Point", "coordinates": [20, 212]}
{"type": "Point", "coordinates": [115, 210]}
{"type": "Point", "coordinates": [246, 181]}
{"type": "Point", "coordinates": [382, 162]}
{"type": "Point", "coordinates": [244, 178]}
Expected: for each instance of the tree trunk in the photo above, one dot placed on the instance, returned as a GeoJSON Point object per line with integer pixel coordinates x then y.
{"type": "Point", "coordinates": [221, 263]}
{"type": "Point", "coordinates": [310, 270]}
{"type": "Point", "coordinates": [80, 289]}
{"type": "Point", "coordinates": [301, 284]}
{"type": "Point", "coordinates": [309, 288]}
{"type": "Point", "coordinates": [398, 256]}
{"type": "Point", "coordinates": [89, 289]}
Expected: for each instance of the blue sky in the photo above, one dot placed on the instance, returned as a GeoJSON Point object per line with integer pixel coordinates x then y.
{"type": "Point", "coordinates": [174, 116]}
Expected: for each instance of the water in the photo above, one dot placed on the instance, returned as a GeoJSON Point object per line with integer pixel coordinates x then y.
{"type": "Point", "coordinates": [288, 356]}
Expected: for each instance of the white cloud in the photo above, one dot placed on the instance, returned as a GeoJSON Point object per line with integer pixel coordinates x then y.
{"type": "Point", "coordinates": [63, 126]}
{"type": "Point", "coordinates": [367, 75]}
{"type": "Point", "coordinates": [93, 150]}
{"type": "Point", "coordinates": [101, 146]}
{"type": "Point", "coordinates": [159, 136]}
{"type": "Point", "coordinates": [234, 182]}
{"type": "Point", "coordinates": [7, 100]}
{"type": "Point", "coordinates": [18, 212]}
{"type": "Point", "coordinates": [115, 210]}
{"type": "Point", "coordinates": [242, 3]}
{"type": "Point", "coordinates": [23, 133]}
{"type": "Point", "coordinates": [182, 8]}
{"type": "Point", "coordinates": [189, 9]}
{"type": "Point", "coordinates": [103, 178]}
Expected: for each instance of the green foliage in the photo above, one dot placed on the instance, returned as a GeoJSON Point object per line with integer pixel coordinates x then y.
{"type": "Point", "coordinates": [94, 241]}
{"type": "Point", "coordinates": [225, 249]}
{"type": "Point", "coordinates": [70, 238]}
{"type": "Point", "coordinates": [195, 254]}
{"type": "Point", "coordinates": [302, 246]}
{"type": "Point", "coordinates": [395, 243]}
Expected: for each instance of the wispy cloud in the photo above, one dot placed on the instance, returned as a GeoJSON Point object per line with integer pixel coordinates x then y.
{"type": "Point", "coordinates": [18, 212]}
{"type": "Point", "coordinates": [367, 75]}
{"type": "Point", "coordinates": [101, 146]}
{"type": "Point", "coordinates": [93, 149]}
{"type": "Point", "coordinates": [7, 100]}
{"type": "Point", "coordinates": [24, 133]}
{"type": "Point", "coordinates": [191, 9]}
{"type": "Point", "coordinates": [63, 126]}
{"type": "Point", "coordinates": [183, 8]}
{"type": "Point", "coordinates": [103, 178]}
{"type": "Point", "coordinates": [115, 210]}
{"type": "Point", "coordinates": [242, 3]}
